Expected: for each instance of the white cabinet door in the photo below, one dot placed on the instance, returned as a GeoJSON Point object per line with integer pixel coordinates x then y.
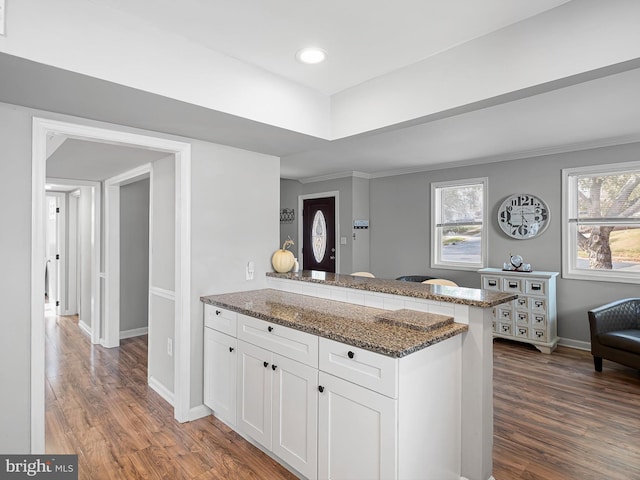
{"type": "Point", "coordinates": [220, 375]}
{"type": "Point", "coordinates": [295, 415]}
{"type": "Point", "coordinates": [356, 432]}
{"type": "Point", "coordinates": [254, 392]}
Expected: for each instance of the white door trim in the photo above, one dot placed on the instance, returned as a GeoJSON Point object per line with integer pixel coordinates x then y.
{"type": "Point", "coordinates": [301, 198]}
{"type": "Point", "coordinates": [112, 251]}
{"type": "Point", "coordinates": [96, 237]}
{"type": "Point", "coordinates": [60, 268]}
{"type": "Point", "coordinates": [182, 355]}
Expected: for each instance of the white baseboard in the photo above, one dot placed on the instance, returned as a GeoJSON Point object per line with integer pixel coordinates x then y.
{"type": "Point", "coordinates": [84, 328]}
{"type": "Point", "coordinates": [199, 412]}
{"type": "Point", "coordinates": [577, 344]}
{"type": "Point", "coordinates": [134, 332]}
{"type": "Point", "coordinates": [161, 390]}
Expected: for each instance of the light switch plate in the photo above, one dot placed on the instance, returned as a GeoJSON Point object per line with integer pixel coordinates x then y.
{"type": "Point", "coordinates": [2, 16]}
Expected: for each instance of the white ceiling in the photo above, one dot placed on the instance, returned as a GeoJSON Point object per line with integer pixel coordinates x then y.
{"type": "Point", "coordinates": [363, 42]}
{"type": "Point", "coordinates": [364, 39]}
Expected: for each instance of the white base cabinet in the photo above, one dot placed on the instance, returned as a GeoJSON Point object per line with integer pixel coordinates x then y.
{"type": "Point", "coordinates": [333, 411]}
{"type": "Point", "coordinates": [220, 367]}
{"type": "Point", "coordinates": [357, 434]}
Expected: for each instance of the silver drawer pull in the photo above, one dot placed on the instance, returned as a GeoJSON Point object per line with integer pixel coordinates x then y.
{"type": "Point", "coordinates": [513, 284]}
{"type": "Point", "coordinates": [536, 286]}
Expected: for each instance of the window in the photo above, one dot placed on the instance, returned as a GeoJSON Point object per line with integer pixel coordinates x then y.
{"type": "Point", "coordinates": [601, 223]}
{"type": "Point", "coordinates": [458, 236]}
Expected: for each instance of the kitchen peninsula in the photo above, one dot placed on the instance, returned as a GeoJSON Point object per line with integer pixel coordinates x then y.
{"type": "Point", "coordinates": [340, 376]}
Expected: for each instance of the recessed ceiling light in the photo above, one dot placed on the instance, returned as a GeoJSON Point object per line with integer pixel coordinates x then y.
{"type": "Point", "coordinates": [311, 55]}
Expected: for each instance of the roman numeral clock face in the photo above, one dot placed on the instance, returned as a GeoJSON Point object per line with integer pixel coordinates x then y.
{"type": "Point", "coordinates": [523, 216]}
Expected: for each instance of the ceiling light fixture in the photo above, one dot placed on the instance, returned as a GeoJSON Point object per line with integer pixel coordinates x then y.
{"type": "Point", "coordinates": [311, 55]}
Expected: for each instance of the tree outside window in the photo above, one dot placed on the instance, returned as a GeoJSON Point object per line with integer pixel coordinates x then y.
{"type": "Point", "coordinates": [603, 213]}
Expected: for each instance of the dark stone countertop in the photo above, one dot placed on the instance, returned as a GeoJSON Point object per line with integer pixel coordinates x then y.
{"type": "Point", "coordinates": [473, 297]}
{"type": "Point", "coordinates": [394, 333]}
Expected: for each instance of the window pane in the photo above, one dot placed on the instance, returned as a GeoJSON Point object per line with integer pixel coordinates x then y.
{"type": "Point", "coordinates": [461, 244]}
{"type": "Point", "coordinates": [461, 204]}
{"type": "Point", "coordinates": [319, 236]}
{"type": "Point", "coordinates": [602, 247]}
{"type": "Point", "coordinates": [608, 196]}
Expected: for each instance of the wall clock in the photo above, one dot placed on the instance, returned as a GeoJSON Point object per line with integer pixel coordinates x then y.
{"type": "Point", "coordinates": [523, 216]}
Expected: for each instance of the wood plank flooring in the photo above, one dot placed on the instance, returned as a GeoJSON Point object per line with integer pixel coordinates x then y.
{"type": "Point", "coordinates": [99, 406]}
{"type": "Point", "coordinates": [555, 418]}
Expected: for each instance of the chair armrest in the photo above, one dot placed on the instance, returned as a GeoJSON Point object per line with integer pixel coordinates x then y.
{"type": "Point", "coordinates": [619, 315]}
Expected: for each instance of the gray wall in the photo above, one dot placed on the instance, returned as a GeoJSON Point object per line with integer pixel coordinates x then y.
{"type": "Point", "coordinates": [15, 288]}
{"type": "Point", "coordinates": [401, 219]}
{"type": "Point", "coordinates": [353, 205]}
{"type": "Point", "coordinates": [134, 255]}
{"type": "Point", "coordinates": [234, 218]}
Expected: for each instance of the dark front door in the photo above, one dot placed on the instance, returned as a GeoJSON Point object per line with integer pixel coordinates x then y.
{"type": "Point", "coordinates": [318, 234]}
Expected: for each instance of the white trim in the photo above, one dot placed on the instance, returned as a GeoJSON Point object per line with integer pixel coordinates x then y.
{"type": "Point", "coordinates": [38, 257]}
{"type": "Point", "coordinates": [435, 208]}
{"type": "Point", "coordinates": [134, 332]}
{"type": "Point", "coordinates": [161, 390]}
{"type": "Point", "coordinates": [335, 176]}
{"type": "Point", "coordinates": [301, 198]}
{"type": "Point", "coordinates": [161, 292]}
{"type": "Point", "coordinates": [199, 412]}
{"type": "Point", "coordinates": [182, 358]}
{"type": "Point", "coordinates": [112, 334]}
{"type": "Point", "coordinates": [84, 328]}
{"type": "Point", "coordinates": [96, 238]}
{"type": "Point", "coordinates": [182, 338]}
{"type": "Point", "coordinates": [577, 344]}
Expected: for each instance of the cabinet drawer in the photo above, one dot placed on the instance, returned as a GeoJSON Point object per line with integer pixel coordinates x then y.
{"type": "Point", "coordinates": [220, 319]}
{"type": "Point", "coordinates": [491, 283]}
{"type": "Point", "coordinates": [538, 304]}
{"type": "Point", "coordinates": [512, 285]}
{"type": "Point", "coordinates": [505, 328]}
{"type": "Point", "coordinates": [522, 331]}
{"type": "Point", "coordinates": [539, 334]}
{"type": "Point", "coordinates": [538, 320]}
{"type": "Point", "coordinates": [521, 303]}
{"type": "Point", "coordinates": [504, 313]}
{"type": "Point", "coordinates": [522, 317]}
{"type": "Point", "coordinates": [282, 340]}
{"type": "Point", "coordinates": [362, 367]}
{"type": "Point", "coordinates": [535, 287]}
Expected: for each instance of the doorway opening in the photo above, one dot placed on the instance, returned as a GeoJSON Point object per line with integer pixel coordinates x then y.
{"type": "Point", "coordinates": [181, 309]}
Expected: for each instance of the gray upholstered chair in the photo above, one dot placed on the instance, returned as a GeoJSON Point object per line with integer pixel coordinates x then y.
{"type": "Point", "coordinates": [615, 333]}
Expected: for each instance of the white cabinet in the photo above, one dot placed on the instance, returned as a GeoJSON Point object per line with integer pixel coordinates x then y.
{"type": "Point", "coordinates": [278, 396]}
{"type": "Point", "coordinates": [357, 435]}
{"type": "Point", "coordinates": [333, 411]}
{"type": "Point", "coordinates": [530, 318]}
{"type": "Point", "coordinates": [220, 364]}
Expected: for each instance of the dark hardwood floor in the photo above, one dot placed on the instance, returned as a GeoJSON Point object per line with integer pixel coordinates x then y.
{"type": "Point", "coordinates": [555, 418]}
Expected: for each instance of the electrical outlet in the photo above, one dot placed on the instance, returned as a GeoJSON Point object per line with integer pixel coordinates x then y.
{"type": "Point", "coordinates": [169, 347]}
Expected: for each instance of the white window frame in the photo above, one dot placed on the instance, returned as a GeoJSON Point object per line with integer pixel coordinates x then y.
{"type": "Point", "coordinates": [436, 244]}
{"type": "Point", "coordinates": [569, 225]}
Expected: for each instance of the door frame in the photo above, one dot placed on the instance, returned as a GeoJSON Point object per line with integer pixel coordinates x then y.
{"type": "Point", "coordinates": [42, 128]}
{"type": "Point", "coordinates": [112, 251]}
{"type": "Point", "coordinates": [96, 238]}
{"type": "Point", "coordinates": [61, 277]}
{"type": "Point", "coordinates": [301, 198]}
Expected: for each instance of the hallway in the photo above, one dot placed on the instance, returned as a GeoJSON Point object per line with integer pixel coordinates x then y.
{"type": "Point", "coordinates": [99, 406]}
